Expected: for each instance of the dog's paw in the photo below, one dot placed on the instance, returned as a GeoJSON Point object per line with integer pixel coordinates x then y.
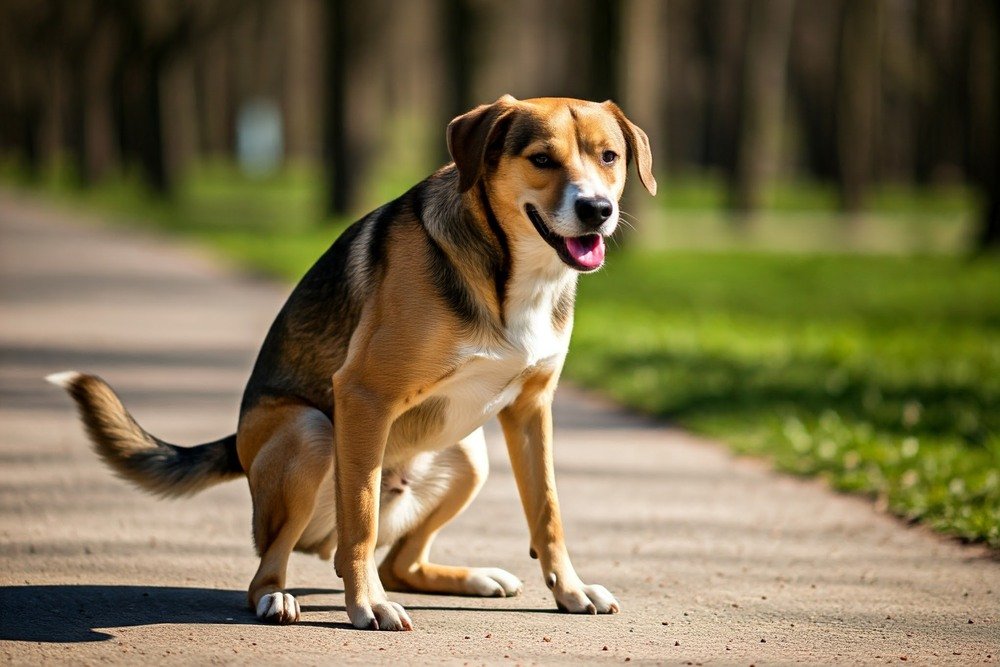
{"type": "Point", "coordinates": [492, 582]}
{"type": "Point", "coordinates": [586, 599]}
{"type": "Point", "coordinates": [384, 615]}
{"type": "Point", "coordinates": [280, 608]}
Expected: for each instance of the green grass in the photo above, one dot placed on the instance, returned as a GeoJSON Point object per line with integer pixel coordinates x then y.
{"type": "Point", "coordinates": [880, 373]}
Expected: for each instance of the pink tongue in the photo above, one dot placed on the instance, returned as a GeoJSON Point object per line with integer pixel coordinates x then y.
{"type": "Point", "coordinates": [588, 250]}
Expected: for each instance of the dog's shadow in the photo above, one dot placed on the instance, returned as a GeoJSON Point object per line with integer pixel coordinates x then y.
{"type": "Point", "coordinates": [76, 613]}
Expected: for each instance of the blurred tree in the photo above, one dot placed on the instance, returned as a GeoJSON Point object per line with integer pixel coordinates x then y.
{"type": "Point", "coordinates": [983, 103]}
{"type": "Point", "coordinates": [355, 105]}
{"type": "Point", "coordinates": [939, 90]}
{"type": "Point", "coordinates": [215, 87]}
{"type": "Point", "coordinates": [154, 36]}
{"type": "Point", "coordinates": [644, 81]}
{"type": "Point", "coordinates": [458, 39]}
{"type": "Point", "coordinates": [858, 99]}
{"type": "Point", "coordinates": [27, 88]}
{"type": "Point", "coordinates": [299, 80]}
{"type": "Point", "coordinates": [98, 122]}
{"type": "Point", "coordinates": [604, 38]}
{"type": "Point", "coordinates": [74, 27]}
{"type": "Point", "coordinates": [900, 54]}
{"type": "Point", "coordinates": [812, 80]}
{"type": "Point", "coordinates": [722, 27]}
{"type": "Point", "coordinates": [875, 90]}
{"type": "Point", "coordinates": [762, 102]}
{"type": "Point", "coordinates": [339, 183]}
{"type": "Point", "coordinates": [55, 90]}
{"type": "Point", "coordinates": [683, 89]}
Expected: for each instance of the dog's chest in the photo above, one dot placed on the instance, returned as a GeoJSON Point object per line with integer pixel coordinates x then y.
{"type": "Point", "coordinates": [491, 376]}
{"type": "Point", "coordinates": [488, 376]}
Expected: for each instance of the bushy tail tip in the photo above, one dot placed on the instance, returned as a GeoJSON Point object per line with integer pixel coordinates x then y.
{"type": "Point", "coordinates": [64, 379]}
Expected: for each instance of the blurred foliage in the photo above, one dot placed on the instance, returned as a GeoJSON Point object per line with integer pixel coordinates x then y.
{"type": "Point", "coordinates": [705, 192]}
{"type": "Point", "coordinates": [761, 99]}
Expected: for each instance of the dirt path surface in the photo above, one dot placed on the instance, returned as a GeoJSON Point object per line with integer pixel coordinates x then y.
{"type": "Point", "coordinates": [713, 559]}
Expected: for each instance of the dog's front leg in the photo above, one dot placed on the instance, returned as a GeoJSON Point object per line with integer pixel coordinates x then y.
{"type": "Point", "coordinates": [527, 427]}
{"type": "Point", "coordinates": [361, 427]}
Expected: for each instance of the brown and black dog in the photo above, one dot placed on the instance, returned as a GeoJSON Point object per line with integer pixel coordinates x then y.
{"type": "Point", "coordinates": [361, 422]}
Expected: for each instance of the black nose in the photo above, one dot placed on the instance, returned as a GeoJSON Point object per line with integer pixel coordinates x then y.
{"type": "Point", "coordinates": [593, 211]}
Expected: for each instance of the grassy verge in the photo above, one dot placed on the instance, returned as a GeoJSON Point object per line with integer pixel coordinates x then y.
{"type": "Point", "coordinates": [882, 374]}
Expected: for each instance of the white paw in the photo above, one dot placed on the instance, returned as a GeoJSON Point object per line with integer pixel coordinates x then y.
{"type": "Point", "coordinates": [586, 599]}
{"type": "Point", "coordinates": [385, 615]}
{"type": "Point", "coordinates": [280, 608]}
{"type": "Point", "coordinates": [492, 582]}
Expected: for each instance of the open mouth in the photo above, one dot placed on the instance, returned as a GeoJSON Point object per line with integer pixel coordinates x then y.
{"type": "Point", "coordinates": [583, 253]}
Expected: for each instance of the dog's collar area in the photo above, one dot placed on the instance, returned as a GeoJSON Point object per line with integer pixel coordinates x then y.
{"type": "Point", "coordinates": [583, 253]}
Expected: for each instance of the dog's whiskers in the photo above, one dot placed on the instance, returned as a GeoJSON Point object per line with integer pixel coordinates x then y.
{"type": "Point", "coordinates": [626, 223]}
{"type": "Point", "coordinates": [626, 214]}
{"type": "Point", "coordinates": [627, 219]}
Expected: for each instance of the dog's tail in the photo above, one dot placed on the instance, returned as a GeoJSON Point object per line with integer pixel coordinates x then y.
{"type": "Point", "coordinates": [135, 455]}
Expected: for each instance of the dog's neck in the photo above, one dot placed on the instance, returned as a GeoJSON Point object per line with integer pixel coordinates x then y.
{"type": "Point", "coordinates": [511, 257]}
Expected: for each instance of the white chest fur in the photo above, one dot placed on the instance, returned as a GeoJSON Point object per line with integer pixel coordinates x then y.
{"type": "Point", "coordinates": [489, 372]}
{"type": "Point", "coordinates": [493, 370]}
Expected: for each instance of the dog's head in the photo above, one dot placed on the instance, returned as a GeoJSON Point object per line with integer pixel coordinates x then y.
{"type": "Point", "coordinates": [555, 166]}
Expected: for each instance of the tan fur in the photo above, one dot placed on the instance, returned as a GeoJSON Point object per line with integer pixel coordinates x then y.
{"type": "Point", "coordinates": [361, 421]}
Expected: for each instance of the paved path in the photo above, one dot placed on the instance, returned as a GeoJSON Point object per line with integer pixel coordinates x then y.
{"type": "Point", "coordinates": [713, 559]}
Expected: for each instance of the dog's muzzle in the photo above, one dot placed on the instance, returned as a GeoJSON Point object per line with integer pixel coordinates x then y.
{"type": "Point", "coordinates": [583, 253]}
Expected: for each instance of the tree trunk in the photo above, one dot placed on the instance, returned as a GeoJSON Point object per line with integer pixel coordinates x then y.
{"type": "Point", "coordinates": [723, 27]}
{"type": "Point", "coordinates": [643, 97]}
{"type": "Point", "coordinates": [150, 115]}
{"type": "Point", "coordinates": [99, 122]}
{"type": "Point", "coordinates": [939, 128]}
{"type": "Point", "coordinates": [762, 102]}
{"type": "Point", "coordinates": [74, 70]}
{"type": "Point", "coordinates": [214, 72]}
{"type": "Point", "coordinates": [983, 109]}
{"type": "Point", "coordinates": [813, 77]}
{"type": "Point", "coordinates": [858, 97]}
{"type": "Point", "coordinates": [458, 36]}
{"type": "Point", "coordinates": [302, 88]}
{"type": "Point", "coordinates": [180, 114]}
{"type": "Point", "coordinates": [336, 153]}
{"type": "Point", "coordinates": [138, 108]}
{"type": "Point", "coordinates": [604, 18]}
{"type": "Point", "coordinates": [900, 55]}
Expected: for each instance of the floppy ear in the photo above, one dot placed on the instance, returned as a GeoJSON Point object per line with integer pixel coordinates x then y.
{"type": "Point", "coordinates": [638, 146]}
{"type": "Point", "coordinates": [473, 134]}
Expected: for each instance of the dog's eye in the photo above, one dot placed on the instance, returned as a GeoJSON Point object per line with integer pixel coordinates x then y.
{"type": "Point", "coordinates": [542, 161]}
{"type": "Point", "coordinates": [609, 157]}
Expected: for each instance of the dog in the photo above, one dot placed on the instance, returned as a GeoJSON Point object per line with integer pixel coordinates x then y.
{"type": "Point", "coordinates": [361, 422]}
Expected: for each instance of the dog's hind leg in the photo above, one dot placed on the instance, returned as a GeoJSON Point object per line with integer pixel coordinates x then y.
{"type": "Point", "coordinates": [291, 447]}
{"type": "Point", "coordinates": [406, 566]}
